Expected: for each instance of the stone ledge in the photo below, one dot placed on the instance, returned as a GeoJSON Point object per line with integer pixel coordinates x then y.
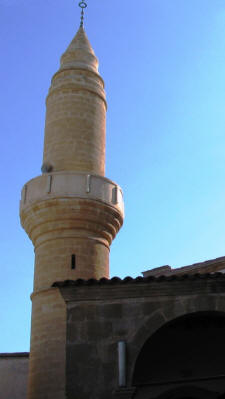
{"type": "Point", "coordinates": [15, 354]}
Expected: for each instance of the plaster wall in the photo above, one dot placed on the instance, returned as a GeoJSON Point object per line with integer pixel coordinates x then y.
{"type": "Point", "coordinates": [13, 375]}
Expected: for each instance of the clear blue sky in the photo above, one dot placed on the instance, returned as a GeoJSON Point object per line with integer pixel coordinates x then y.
{"type": "Point", "coordinates": [163, 62]}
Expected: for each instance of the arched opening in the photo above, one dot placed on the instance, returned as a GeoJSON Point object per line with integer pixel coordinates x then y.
{"type": "Point", "coordinates": [188, 349]}
{"type": "Point", "coordinates": [188, 392]}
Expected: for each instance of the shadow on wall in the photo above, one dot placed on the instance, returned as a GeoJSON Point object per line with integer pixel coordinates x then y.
{"type": "Point", "coordinates": [189, 392]}
{"type": "Point", "coordinates": [186, 350]}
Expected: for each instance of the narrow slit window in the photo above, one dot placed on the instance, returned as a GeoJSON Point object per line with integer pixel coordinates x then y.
{"type": "Point", "coordinates": [73, 261]}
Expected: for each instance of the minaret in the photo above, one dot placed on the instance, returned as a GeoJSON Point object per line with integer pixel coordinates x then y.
{"type": "Point", "coordinates": [71, 212]}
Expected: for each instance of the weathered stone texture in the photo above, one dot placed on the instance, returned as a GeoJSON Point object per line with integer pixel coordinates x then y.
{"type": "Point", "coordinates": [75, 126]}
{"type": "Point", "coordinates": [99, 316]}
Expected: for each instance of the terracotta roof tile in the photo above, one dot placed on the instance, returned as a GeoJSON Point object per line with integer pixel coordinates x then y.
{"type": "Point", "coordinates": [139, 279]}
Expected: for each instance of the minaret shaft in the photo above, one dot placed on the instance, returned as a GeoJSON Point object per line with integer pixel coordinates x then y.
{"type": "Point", "coordinates": [75, 122]}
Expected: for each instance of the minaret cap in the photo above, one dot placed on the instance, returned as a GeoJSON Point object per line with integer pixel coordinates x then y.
{"type": "Point", "coordinates": [80, 54]}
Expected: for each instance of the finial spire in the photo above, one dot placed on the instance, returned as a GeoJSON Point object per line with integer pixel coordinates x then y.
{"type": "Point", "coordinates": [82, 5]}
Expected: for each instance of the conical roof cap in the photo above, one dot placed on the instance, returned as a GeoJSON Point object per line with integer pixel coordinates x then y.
{"type": "Point", "coordinates": [79, 54]}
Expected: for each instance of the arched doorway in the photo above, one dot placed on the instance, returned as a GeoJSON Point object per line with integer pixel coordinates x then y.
{"type": "Point", "coordinates": [187, 350]}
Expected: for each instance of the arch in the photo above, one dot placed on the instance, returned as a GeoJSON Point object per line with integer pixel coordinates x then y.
{"type": "Point", "coordinates": [168, 312]}
{"type": "Point", "coordinates": [188, 348]}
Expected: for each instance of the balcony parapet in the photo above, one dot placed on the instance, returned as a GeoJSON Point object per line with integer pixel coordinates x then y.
{"type": "Point", "coordinates": [72, 185]}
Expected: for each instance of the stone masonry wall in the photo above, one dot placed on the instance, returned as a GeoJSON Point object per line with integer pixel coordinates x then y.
{"type": "Point", "coordinates": [101, 315]}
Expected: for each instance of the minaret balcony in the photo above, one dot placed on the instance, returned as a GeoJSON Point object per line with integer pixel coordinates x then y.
{"type": "Point", "coordinates": [72, 185]}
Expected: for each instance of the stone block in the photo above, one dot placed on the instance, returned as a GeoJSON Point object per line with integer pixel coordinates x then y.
{"type": "Point", "coordinates": [110, 311]}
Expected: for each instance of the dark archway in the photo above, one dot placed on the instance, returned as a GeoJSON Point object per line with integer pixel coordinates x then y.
{"type": "Point", "coordinates": [187, 349]}
{"type": "Point", "coordinates": [188, 392]}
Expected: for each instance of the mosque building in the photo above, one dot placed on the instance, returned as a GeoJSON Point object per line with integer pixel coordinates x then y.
{"type": "Point", "coordinates": [160, 336]}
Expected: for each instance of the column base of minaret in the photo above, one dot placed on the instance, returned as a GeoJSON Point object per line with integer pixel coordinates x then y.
{"type": "Point", "coordinates": [71, 220]}
{"type": "Point", "coordinates": [47, 362]}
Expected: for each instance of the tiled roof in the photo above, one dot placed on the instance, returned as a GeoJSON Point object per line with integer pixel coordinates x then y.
{"type": "Point", "coordinates": [137, 280]}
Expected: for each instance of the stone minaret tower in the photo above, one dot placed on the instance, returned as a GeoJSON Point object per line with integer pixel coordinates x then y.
{"type": "Point", "coordinates": [71, 212]}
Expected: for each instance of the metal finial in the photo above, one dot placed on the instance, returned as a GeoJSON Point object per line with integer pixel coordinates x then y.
{"type": "Point", "coordinates": [82, 5]}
